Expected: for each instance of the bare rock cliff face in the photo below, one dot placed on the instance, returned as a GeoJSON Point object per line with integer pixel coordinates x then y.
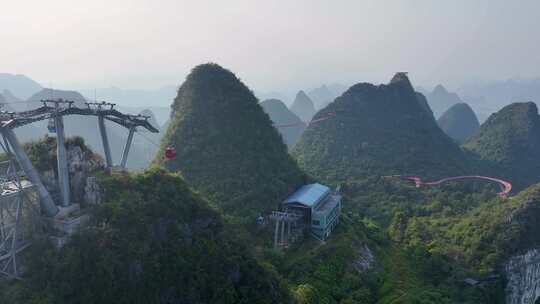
{"type": "Point", "coordinates": [523, 275]}
{"type": "Point", "coordinates": [522, 268]}
{"type": "Point", "coordinates": [364, 260]}
{"type": "Point", "coordinates": [83, 165]}
{"type": "Point", "coordinates": [92, 192]}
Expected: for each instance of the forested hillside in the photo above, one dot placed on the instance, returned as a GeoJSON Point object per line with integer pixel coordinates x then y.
{"type": "Point", "coordinates": [227, 148]}
{"type": "Point", "coordinates": [286, 122]}
{"type": "Point", "coordinates": [511, 138]}
{"type": "Point", "coordinates": [270, 152]}
{"type": "Point", "coordinates": [441, 100]}
{"type": "Point", "coordinates": [459, 122]}
{"type": "Point", "coordinates": [378, 130]}
{"type": "Point", "coordinates": [422, 100]}
{"type": "Point", "coordinates": [303, 106]}
{"type": "Point", "coordinates": [152, 241]}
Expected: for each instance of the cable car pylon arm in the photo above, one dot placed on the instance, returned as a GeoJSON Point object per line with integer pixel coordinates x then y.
{"type": "Point", "coordinates": [19, 119]}
{"type": "Point", "coordinates": [103, 111]}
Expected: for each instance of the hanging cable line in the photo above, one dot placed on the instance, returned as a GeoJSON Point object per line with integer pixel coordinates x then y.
{"type": "Point", "coordinates": [297, 124]}
{"type": "Point", "coordinates": [148, 139]}
{"type": "Point", "coordinates": [170, 151]}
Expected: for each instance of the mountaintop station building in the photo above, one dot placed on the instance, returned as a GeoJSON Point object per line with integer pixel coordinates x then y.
{"type": "Point", "coordinates": [318, 206]}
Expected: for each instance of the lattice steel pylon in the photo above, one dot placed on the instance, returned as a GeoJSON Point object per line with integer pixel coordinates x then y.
{"type": "Point", "coordinates": [18, 214]}
{"type": "Point", "coordinates": [19, 178]}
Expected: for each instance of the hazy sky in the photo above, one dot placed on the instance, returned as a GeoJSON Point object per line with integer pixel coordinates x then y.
{"type": "Point", "coordinates": [271, 45]}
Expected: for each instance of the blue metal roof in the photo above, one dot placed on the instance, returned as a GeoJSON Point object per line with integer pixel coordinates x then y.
{"type": "Point", "coordinates": [309, 195]}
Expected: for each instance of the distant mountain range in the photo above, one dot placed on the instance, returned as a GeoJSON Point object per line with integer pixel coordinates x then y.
{"type": "Point", "coordinates": [25, 133]}
{"type": "Point", "coordinates": [440, 100]}
{"type": "Point", "coordinates": [20, 93]}
{"type": "Point", "coordinates": [13, 102]}
{"type": "Point", "coordinates": [303, 106]}
{"type": "Point", "coordinates": [142, 151]}
{"type": "Point", "coordinates": [17, 89]}
{"type": "Point", "coordinates": [289, 125]}
{"type": "Point", "coordinates": [459, 122]}
{"type": "Point", "coordinates": [490, 97]}
{"type": "Point", "coordinates": [227, 148]}
{"type": "Point", "coordinates": [197, 230]}
{"type": "Point", "coordinates": [161, 114]}
{"type": "Point", "coordinates": [485, 99]}
{"type": "Point", "coordinates": [378, 130]}
{"type": "Point", "coordinates": [325, 94]}
{"type": "Point", "coordinates": [321, 96]}
{"type": "Point", "coordinates": [47, 93]}
{"type": "Point", "coordinates": [511, 138]}
{"type": "Point", "coordinates": [20, 85]}
{"type": "Point", "coordinates": [162, 97]}
{"type": "Point", "coordinates": [285, 98]}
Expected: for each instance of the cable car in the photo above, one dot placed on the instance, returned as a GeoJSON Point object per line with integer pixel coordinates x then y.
{"type": "Point", "coordinates": [51, 125]}
{"type": "Point", "coordinates": [170, 153]}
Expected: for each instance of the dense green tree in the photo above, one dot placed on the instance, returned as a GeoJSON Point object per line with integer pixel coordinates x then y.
{"type": "Point", "coordinates": [511, 138]}
{"type": "Point", "coordinates": [152, 241]}
{"type": "Point", "coordinates": [227, 147]}
{"type": "Point", "coordinates": [378, 130]}
{"type": "Point", "coordinates": [459, 122]}
{"type": "Point", "coordinates": [287, 123]}
{"type": "Point", "coordinates": [306, 294]}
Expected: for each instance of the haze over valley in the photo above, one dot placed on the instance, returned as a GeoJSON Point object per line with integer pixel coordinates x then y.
{"type": "Point", "coordinates": [279, 152]}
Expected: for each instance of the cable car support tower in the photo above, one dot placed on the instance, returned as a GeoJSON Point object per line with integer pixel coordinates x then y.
{"type": "Point", "coordinates": [20, 183]}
